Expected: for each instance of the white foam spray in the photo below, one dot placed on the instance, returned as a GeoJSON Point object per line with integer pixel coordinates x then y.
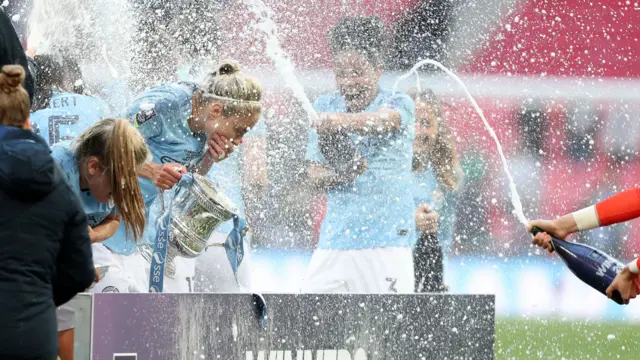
{"type": "Point", "coordinates": [281, 60]}
{"type": "Point", "coordinates": [85, 31]}
{"type": "Point", "coordinates": [515, 197]}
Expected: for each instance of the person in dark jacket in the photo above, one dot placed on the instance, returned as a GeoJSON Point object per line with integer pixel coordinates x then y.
{"type": "Point", "coordinates": [45, 249]}
{"type": "Point", "coordinates": [12, 53]}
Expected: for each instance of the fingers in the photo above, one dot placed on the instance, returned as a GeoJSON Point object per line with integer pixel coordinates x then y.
{"type": "Point", "coordinates": [171, 173]}
{"type": "Point", "coordinates": [609, 291]}
{"type": "Point", "coordinates": [219, 146]}
{"type": "Point", "coordinates": [543, 240]}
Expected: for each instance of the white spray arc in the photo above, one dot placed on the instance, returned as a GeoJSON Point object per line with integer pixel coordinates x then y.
{"type": "Point", "coordinates": [515, 197]}
{"type": "Point", "coordinates": [280, 58]}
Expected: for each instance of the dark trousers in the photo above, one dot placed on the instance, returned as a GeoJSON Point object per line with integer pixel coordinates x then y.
{"type": "Point", "coordinates": [428, 264]}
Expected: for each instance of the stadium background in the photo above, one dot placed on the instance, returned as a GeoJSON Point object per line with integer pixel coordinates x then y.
{"type": "Point", "coordinates": [557, 79]}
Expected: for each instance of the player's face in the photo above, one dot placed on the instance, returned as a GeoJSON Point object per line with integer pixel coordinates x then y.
{"type": "Point", "coordinates": [357, 78]}
{"type": "Point", "coordinates": [99, 181]}
{"type": "Point", "coordinates": [426, 127]}
{"type": "Point", "coordinates": [233, 127]}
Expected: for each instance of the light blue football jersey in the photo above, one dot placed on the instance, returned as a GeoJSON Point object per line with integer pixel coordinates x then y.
{"type": "Point", "coordinates": [377, 210]}
{"type": "Point", "coordinates": [161, 115]}
{"type": "Point", "coordinates": [67, 115]}
{"type": "Point", "coordinates": [95, 210]}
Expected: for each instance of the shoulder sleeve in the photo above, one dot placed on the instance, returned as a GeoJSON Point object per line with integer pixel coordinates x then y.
{"type": "Point", "coordinates": [404, 105]}
{"type": "Point", "coordinates": [621, 207]}
{"type": "Point", "coordinates": [149, 116]}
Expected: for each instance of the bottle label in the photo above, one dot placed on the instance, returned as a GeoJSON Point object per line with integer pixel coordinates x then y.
{"type": "Point", "coordinates": [606, 265]}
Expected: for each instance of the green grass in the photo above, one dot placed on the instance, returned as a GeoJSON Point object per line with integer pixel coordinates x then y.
{"type": "Point", "coordinates": [555, 339]}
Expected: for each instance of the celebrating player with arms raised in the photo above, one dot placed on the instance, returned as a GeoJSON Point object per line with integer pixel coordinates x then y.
{"type": "Point", "coordinates": [361, 151]}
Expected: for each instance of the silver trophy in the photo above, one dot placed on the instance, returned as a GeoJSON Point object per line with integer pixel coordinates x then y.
{"type": "Point", "coordinates": [198, 209]}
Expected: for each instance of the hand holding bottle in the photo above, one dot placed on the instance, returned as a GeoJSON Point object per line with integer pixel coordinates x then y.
{"type": "Point", "coordinates": [626, 283]}
{"type": "Point", "coordinates": [559, 228]}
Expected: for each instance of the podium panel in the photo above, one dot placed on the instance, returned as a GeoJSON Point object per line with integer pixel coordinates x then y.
{"type": "Point", "coordinates": [114, 326]}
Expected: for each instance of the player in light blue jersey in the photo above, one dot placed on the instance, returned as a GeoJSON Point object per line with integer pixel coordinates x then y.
{"type": "Point", "coordinates": [188, 127]}
{"type": "Point", "coordinates": [101, 166]}
{"type": "Point", "coordinates": [61, 111]}
{"type": "Point", "coordinates": [361, 151]}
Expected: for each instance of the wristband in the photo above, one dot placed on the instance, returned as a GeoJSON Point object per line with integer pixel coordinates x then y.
{"type": "Point", "coordinates": [633, 266]}
{"type": "Point", "coordinates": [587, 218]}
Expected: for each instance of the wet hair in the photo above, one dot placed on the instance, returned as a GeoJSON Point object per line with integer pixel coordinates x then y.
{"type": "Point", "coordinates": [363, 34]}
{"type": "Point", "coordinates": [442, 157]}
{"type": "Point", "coordinates": [121, 150]}
{"type": "Point", "coordinates": [240, 94]}
{"type": "Point", "coordinates": [55, 73]}
{"type": "Point", "coordinates": [14, 99]}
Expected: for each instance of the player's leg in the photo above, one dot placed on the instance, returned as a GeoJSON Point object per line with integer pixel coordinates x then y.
{"type": "Point", "coordinates": [113, 275]}
{"type": "Point", "coordinates": [65, 315]}
{"type": "Point", "coordinates": [214, 273]}
{"type": "Point", "coordinates": [382, 271]}
{"type": "Point", "coordinates": [328, 272]}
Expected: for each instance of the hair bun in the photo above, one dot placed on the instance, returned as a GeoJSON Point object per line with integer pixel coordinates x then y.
{"type": "Point", "coordinates": [11, 78]}
{"type": "Point", "coordinates": [227, 67]}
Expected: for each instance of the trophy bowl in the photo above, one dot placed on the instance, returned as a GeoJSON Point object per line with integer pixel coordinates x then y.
{"type": "Point", "coordinates": [198, 209]}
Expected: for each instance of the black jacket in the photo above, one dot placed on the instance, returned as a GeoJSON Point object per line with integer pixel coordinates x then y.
{"type": "Point", "coordinates": [12, 52]}
{"type": "Point", "coordinates": [45, 251]}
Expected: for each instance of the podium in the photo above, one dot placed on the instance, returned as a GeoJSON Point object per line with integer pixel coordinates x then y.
{"type": "Point", "coordinates": [116, 326]}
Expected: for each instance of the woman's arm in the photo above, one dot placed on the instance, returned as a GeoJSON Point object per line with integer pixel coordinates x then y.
{"type": "Point", "coordinates": [380, 121]}
{"type": "Point", "coordinates": [105, 229]}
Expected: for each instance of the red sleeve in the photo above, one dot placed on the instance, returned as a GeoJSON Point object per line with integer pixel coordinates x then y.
{"type": "Point", "coordinates": [621, 207]}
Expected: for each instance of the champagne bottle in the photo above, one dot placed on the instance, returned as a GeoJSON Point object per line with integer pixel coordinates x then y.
{"type": "Point", "coordinates": [592, 266]}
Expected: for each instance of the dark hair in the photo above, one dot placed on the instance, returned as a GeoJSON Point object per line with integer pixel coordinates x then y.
{"type": "Point", "coordinates": [364, 34]}
{"type": "Point", "coordinates": [57, 73]}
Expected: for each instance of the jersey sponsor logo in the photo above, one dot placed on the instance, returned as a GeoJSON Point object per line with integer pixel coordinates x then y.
{"type": "Point", "coordinates": [402, 232]}
{"type": "Point", "coordinates": [110, 289]}
{"type": "Point", "coordinates": [169, 159]}
{"type": "Point", "coordinates": [145, 115]}
{"type": "Point", "coordinates": [392, 284]}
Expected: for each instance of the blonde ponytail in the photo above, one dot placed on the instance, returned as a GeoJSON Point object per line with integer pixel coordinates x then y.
{"type": "Point", "coordinates": [126, 151]}
{"type": "Point", "coordinates": [121, 149]}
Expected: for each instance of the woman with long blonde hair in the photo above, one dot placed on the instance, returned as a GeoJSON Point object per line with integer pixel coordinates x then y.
{"type": "Point", "coordinates": [438, 175]}
{"type": "Point", "coordinates": [101, 165]}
